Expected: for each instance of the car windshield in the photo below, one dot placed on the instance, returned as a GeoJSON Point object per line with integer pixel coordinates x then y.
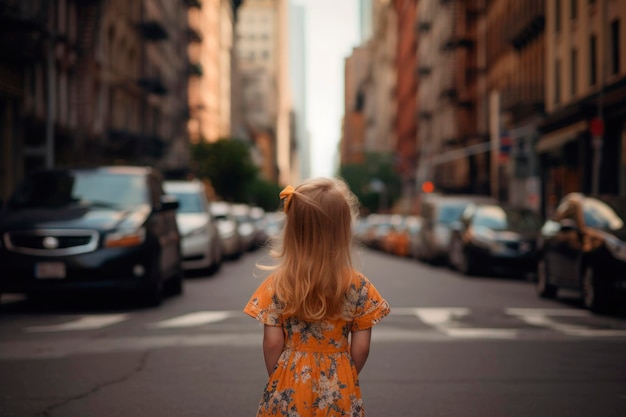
{"type": "Point", "coordinates": [499, 218]}
{"type": "Point", "coordinates": [87, 188]}
{"type": "Point", "coordinates": [600, 215]}
{"type": "Point", "coordinates": [450, 212]}
{"type": "Point", "coordinates": [189, 202]}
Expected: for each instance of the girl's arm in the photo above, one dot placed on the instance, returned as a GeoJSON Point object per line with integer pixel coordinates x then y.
{"type": "Point", "coordinates": [273, 343]}
{"type": "Point", "coordinates": [360, 347]}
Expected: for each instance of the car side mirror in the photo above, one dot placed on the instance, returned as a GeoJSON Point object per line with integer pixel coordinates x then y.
{"type": "Point", "coordinates": [169, 202]}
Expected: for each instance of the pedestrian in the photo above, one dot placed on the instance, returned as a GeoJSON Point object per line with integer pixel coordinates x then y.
{"type": "Point", "coordinates": [317, 309]}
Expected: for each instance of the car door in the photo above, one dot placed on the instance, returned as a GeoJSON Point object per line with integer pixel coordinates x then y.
{"type": "Point", "coordinates": [566, 247]}
{"type": "Point", "coordinates": [166, 228]}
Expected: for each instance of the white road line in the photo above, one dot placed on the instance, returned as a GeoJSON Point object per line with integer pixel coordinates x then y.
{"type": "Point", "coordinates": [83, 323]}
{"type": "Point", "coordinates": [561, 312]}
{"type": "Point", "coordinates": [197, 318]}
{"type": "Point", "coordinates": [471, 333]}
{"type": "Point", "coordinates": [540, 318]}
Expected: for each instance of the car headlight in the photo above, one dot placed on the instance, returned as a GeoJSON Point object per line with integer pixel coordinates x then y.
{"type": "Point", "coordinates": [125, 238]}
{"type": "Point", "coordinates": [482, 236]}
{"type": "Point", "coordinates": [617, 247]}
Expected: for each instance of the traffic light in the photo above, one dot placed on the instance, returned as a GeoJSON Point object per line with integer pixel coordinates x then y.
{"type": "Point", "coordinates": [428, 187]}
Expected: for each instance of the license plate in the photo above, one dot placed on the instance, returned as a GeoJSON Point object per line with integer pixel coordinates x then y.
{"type": "Point", "coordinates": [50, 270]}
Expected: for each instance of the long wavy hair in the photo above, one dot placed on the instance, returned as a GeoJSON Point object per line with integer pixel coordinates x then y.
{"type": "Point", "coordinates": [314, 252]}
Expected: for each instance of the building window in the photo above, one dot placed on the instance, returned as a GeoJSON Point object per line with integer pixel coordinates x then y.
{"type": "Point", "coordinates": [574, 9]}
{"type": "Point", "coordinates": [557, 82]}
{"type": "Point", "coordinates": [615, 46]}
{"type": "Point", "coordinates": [593, 55]}
{"type": "Point", "coordinates": [557, 16]}
{"type": "Point", "coordinates": [574, 71]}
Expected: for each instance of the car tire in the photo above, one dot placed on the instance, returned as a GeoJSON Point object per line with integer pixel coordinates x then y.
{"type": "Point", "coordinates": [593, 295]}
{"type": "Point", "coordinates": [177, 283]}
{"type": "Point", "coordinates": [456, 253]}
{"type": "Point", "coordinates": [153, 295]}
{"type": "Point", "coordinates": [544, 288]}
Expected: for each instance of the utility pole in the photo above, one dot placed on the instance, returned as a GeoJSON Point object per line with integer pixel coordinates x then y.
{"type": "Point", "coordinates": [597, 124]}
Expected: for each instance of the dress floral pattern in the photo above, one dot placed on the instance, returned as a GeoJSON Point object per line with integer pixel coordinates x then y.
{"type": "Point", "coordinates": [315, 375]}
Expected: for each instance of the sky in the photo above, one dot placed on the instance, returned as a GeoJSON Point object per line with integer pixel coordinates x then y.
{"type": "Point", "coordinates": [332, 32]}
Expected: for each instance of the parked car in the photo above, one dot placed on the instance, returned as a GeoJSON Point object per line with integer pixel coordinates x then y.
{"type": "Point", "coordinates": [397, 240]}
{"type": "Point", "coordinates": [108, 228]}
{"type": "Point", "coordinates": [201, 243]}
{"type": "Point", "coordinates": [415, 243]}
{"type": "Point", "coordinates": [247, 225]}
{"type": "Point", "coordinates": [439, 213]}
{"type": "Point", "coordinates": [583, 248]}
{"type": "Point", "coordinates": [493, 238]}
{"type": "Point", "coordinates": [228, 227]}
{"type": "Point", "coordinates": [260, 223]}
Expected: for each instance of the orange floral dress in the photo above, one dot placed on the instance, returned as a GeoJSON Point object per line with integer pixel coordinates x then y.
{"type": "Point", "coordinates": [315, 374]}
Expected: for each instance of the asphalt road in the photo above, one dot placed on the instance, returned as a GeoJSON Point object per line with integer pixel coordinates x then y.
{"type": "Point", "coordinates": [453, 346]}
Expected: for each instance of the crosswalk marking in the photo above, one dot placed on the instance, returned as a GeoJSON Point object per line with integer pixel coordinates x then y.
{"type": "Point", "coordinates": [82, 323]}
{"type": "Point", "coordinates": [452, 322]}
{"type": "Point", "coordinates": [197, 318]}
{"type": "Point", "coordinates": [541, 319]}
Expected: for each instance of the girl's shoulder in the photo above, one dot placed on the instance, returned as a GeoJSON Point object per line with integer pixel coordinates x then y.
{"type": "Point", "coordinates": [359, 280]}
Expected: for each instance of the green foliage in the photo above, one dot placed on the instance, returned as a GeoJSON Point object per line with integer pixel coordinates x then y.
{"type": "Point", "coordinates": [227, 164]}
{"type": "Point", "coordinates": [263, 193]}
{"type": "Point", "coordinates": [377, 167]}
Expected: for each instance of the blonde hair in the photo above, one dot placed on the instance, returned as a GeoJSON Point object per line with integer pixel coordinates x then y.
{"type": "Point", "coordinates": [314, 253]}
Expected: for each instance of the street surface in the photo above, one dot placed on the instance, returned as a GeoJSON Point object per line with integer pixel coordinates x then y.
{"type": "Point", "coordinates": [452, 346]}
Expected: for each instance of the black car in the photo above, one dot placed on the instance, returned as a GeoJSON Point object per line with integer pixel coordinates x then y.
{"type": "Point", "coordinates": [495, 238]}
{"type": "Point", "coordinates": [75, 230]}
{"type": "Point", "coordinates": [583, 248]}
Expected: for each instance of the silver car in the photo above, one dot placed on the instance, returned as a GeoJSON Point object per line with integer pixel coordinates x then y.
{"type": "Point", "coordinates": [228, 227]}
{"type": "Point", "coordinates": [201, 243]}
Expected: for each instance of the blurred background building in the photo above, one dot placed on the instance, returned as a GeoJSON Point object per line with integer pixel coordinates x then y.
{"type": "Point", "coordinates": [265, 106]}
{"type": "Point", "coordinates": [523, 100]}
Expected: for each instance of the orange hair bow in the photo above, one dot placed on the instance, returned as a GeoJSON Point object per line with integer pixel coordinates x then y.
{"type": "Point", "coordinates": [287, 194]}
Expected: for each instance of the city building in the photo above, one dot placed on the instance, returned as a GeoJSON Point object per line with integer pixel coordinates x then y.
{"type": "Point", "coordinates": [264, 84]}
{"type": "Point", "coordinates": [211, 27]}
{"type": "Point", "coordinates": [92, 82]}
{"type": "Point", "coordinates": [583, 137]}
{"type": "Point", "coordinates": [356, 70]}
{"type": "Point", "coordinates": [406, 96]}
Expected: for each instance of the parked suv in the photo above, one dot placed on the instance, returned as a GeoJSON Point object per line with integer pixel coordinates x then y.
{"type": "Point", "coordinates": [109, 228]}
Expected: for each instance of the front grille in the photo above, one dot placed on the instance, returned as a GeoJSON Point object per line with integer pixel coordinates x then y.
{"type": "Point", "coordinates": [51, 242]}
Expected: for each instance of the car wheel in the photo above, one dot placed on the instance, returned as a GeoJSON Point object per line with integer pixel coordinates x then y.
{"type": "Point", "coordinates": [153, 295]}
{"type": "Point", "coordinates": [544, 288]}
{"type": "Point", "coordinates": [593, 295]}
{"type": "Point", "coordinates": [456, 254]}
{"type": "Point", "coordinates": [177, 285]}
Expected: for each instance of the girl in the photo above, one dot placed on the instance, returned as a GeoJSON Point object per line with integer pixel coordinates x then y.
{"type": "Point", "coordinates": [311, 304]}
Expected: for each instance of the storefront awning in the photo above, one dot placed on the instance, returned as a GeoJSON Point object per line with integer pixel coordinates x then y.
{"type": "Point", "coordinates": [558, 138]}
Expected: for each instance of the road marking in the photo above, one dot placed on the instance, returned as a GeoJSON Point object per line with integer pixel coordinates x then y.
{"type": "Point", "coordinates": [197, 318]}
{"type": "Point", "coordinates": [82, 323]}
{"type": "Point", "coordinates": [471, 333]}
{"type": "Point", "coordinates": [538, 317]}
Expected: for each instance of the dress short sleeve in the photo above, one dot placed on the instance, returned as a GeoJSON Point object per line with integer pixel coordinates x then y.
{"type": "Point", "coordinates": [371, 307]}
{"type": "Point", "coordinates": [264, 306]}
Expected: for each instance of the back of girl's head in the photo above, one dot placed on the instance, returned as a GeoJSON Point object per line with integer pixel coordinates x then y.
{"type": "Point", "coordinates": [320, 213]}
{"type": "Point", "coordinates": [315, 250]}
